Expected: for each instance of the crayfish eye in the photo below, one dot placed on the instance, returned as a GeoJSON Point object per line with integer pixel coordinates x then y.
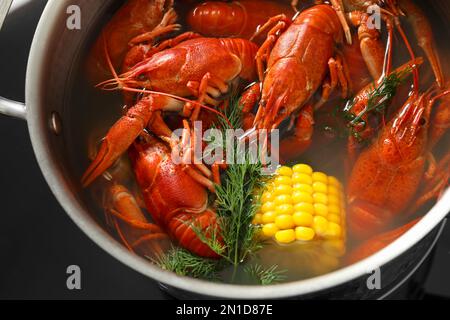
{"type": "Point", "coordinates": [422, 122]}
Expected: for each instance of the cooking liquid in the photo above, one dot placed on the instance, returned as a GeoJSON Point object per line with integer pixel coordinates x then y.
{"type": "Point", "coordinates": [97, 111]}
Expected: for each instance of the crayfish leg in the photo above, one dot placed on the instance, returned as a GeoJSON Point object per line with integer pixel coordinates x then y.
{"type": "Point", "coordinates": [247, 102]}
{"type": "Point", "coordinates": [338, 6]}
{"type": "Point", "coordinates": [276, 25]}
{"type": "Point", "coordinates": [133, 228]}
{"type": "Point", "coordinates": [338, 76]}
{"type": "Point", "coordinates": [424, 34]}
{"type": "Point", "coordinates": [166, 26]}
{"type": "Point", "coordinates": [297, 143]}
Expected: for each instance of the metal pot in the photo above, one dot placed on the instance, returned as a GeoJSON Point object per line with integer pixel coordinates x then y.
{"type": "Point", "coordinates": [54, 57]}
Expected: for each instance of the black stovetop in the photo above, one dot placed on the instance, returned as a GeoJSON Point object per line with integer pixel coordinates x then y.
{"type": "Point", "coordinates": [37, 239]}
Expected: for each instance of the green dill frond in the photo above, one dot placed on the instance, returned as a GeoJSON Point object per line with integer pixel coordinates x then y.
{"type": "Point", "coordinates": [232, 120]}
{"type": "Point", "coordinates": [236, 205]}
{"type": "Point", "coordinates": [253, 241]}
{"type": "Point", "coordinates": [237, 197]}
{"type": "Point", "coordinates": [209, 237]}
{"type": "Point", "coordinates": [378, 100]}
{"type": "Point", "coordinates": [185, 263]}
{"type": "Point", "coordinates": [233, 114]}
{"type": "Point", "coordinates": [267, 276]}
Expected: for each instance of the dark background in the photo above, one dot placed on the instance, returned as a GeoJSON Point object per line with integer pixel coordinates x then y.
{"type": "Point", "coordinates": [37, 239]}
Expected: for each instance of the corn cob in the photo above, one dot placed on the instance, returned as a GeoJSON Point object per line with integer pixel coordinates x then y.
{"type": "Point", "coordinates": [302, 205]}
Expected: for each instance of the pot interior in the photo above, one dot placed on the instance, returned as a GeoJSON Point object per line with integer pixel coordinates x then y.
{"type": "Point", "coordinates": [85, 113]}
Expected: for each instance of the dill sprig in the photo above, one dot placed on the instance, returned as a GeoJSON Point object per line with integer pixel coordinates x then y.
{"type": "Point", "coordinates": [236, 206]}
{"type": "Point", "coordinates": [231, 119]}
{"type": "Point", "coordinates": [185, 263]}
{"type": "Point", "coordinates": [209, 236]}
{"type": "Point", "coordinates": [233, 113]}
{"type": "Point", "coordinates": [237, 198]}
{"type": "Point", "coordinates": [378, 100]}
{"type": "Point", "coordinates": [267, 276]}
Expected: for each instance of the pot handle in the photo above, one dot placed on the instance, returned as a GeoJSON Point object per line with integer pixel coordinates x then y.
{"type": "Point", "coordinates": [9, 107]}
{"type": "Point", "coordinates": [13, 108]}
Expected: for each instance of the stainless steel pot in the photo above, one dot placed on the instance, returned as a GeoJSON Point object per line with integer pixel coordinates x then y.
{"type": "Point", "coordinates": [54, 56]}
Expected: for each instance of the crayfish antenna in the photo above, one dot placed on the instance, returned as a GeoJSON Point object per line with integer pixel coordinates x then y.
{"type": "Point", "coordinates": [124, 83]}
{"type": "Point", "coordinates": [410, 51]}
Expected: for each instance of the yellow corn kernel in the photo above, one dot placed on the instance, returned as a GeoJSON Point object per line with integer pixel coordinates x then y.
{"type": "Point", "coordinates": [282, 180]}
{"type": "Point", "coordinates": [332, 181]}
{"type": "Point", "coordinates": [332, 199]}
{"type": "Point", "coordinates": [303, 188]}
{"type": "Point", "coordinates": [269, 217]}
{"type": "Point", "coordinates": [334, 209]}
{"type": "Point", "coordinates": [320, 187]}
{"type": "Point", "coordinates": [332, 190]}
{"type": "Point", "coordinates": [284, 171]}
{"type": "Point", "coordinates": [320, 198]}
{"type": "Point", "coordinates": [282, 189]}
{"type": "Point", "coordinates": [334, 218]}
{"type": "Point", "coordinates": [320, 177]}
{"type": "Point", "coordinates": [283, 199]}
{"type": "Point", "coordinates": [284, 222]}
{"type": "Point", "coordinates": [299, 196]}
{"type": "Point", "coordinates": [304, 234]}
{"type": "Point", "coordinates": [333, 231]}
{"type": "Point", "coordinates": [285, 236]}
{"type": "Point", "coordinates": [283, 209]}
{"type": "Point", "coordinates": [268, 206]}
{"type": "Point", "coordinates": [300, 204]}
{"type": "Point", "coordinates": [257, 219]}
{"type": "Point", "coordinates": [302, 178]}
{"type": "Point", "coordinates": [267, 197]}
{"type": "Point", "coordinates": [320, 209]}
{"type": "Point", "coordinates": [320, 225]}
{"type": "Point", "coordinates": [269, 186]}
{"type": "Point", "coordinates": [303, 168]}
{"type": "Point", "coordinates": [304, 207]}
{"type": "Point", "coordinates": [303, 219]}
{"type": "Point", "coordinates": [269, 230]}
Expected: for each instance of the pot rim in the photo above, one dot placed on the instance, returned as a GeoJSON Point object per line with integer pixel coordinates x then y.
{"type": "Point", "coordinates": [38, 124]}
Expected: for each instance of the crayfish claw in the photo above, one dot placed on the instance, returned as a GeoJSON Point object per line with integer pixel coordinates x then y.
{"type": "Point", "coordinates": [119, 138]}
